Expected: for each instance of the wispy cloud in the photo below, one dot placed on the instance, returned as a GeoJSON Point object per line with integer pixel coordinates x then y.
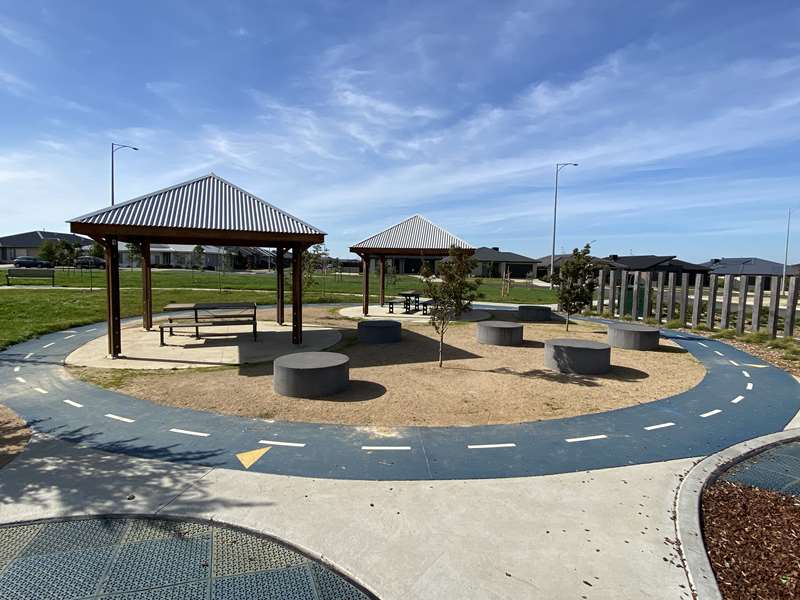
{"type": "Point", "coordinates": [15, 34]}
{"type": "Point", "coordinates": [13, 84]}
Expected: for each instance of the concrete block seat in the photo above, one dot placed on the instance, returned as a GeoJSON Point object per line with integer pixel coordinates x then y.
{"type": "Point", "coordinates": [583, 357]}
{"type": "Point", "coordinates": [499, 333]}
{"type": "Point", "coordinates": [311, 374]}
{"type": "Point", "coordinates": [381, 331]}
{"type": "Point", "coordinates": [532, 314]}
{"type": "Point", "coordinates": [632, 336]}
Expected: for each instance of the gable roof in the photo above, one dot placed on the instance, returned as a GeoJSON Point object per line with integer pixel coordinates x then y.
{"type": "Point", "coordinates": [415, 233]}
{"type": "Point", "coordinates": [34, 239]}
{"type": "Point", "coordinates": [744, 266]}
{"type": "Point", "coordinates": [207, 202]}
{"type": "Point", "coordinates": [641, 262]}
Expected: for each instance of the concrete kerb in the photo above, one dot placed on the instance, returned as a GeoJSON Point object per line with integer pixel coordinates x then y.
{"type": "Point", "coordinates": [688, 521]}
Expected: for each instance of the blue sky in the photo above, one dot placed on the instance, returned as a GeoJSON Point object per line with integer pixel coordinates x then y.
{"type": "Point", "coordinates": [684, 116]}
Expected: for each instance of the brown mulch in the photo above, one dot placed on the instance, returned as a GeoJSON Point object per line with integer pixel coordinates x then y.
{"type": "Point", "coordinates": [753, 540]}
{"type": "Point", "coordinates": [774, 356]}
{"type": "Point", "coordinates": [14, 435]}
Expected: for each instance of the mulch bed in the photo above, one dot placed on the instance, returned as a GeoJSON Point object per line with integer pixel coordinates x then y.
{"type": "Point", "coordinates": [753, 540]}
{"type": "Point", "coordinates": [14, 435]}
{"type": "Point", "coordinates": [774, 356]}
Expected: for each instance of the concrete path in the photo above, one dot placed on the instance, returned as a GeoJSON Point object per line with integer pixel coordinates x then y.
{"type": "Point", "coordinates": [599, 534]}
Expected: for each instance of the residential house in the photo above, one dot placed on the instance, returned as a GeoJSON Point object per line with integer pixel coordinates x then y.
{"type": "Point", "coordinates": [30, 242]}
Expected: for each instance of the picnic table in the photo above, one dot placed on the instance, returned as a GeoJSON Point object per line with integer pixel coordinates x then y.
{"type": "Point", "coordinates": [205, 315]}
{"type": "Point", "coordinates": [409, 296]}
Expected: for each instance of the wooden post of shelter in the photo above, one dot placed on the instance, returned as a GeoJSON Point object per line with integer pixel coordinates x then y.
{"type": "Point", "coordinates": [698, 300]}
{"type": "Point", "coordinates": [711, 305]}
{"type": "Point", "coordinates": [280, 286]}
{"type": "Point", "coordinates": [112, 297]}
{"type": "Point", "coordinates": [297, 294]}
{"type": "Point", "coordinates": [742, 309]}
{"type": "Point", "coordinates": [758, 301]}
{"type": "Point", "coordinates": [365, 269]}
{"type": "Point", "coordinates": [147, 288]}
{"type": "Point", "coordinates": [774, 306]}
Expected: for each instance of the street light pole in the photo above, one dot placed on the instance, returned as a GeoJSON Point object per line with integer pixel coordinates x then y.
{"type": "Point", "coordinates": [114, 148]}
{"type": "Point", "coordinates": [559, 166]}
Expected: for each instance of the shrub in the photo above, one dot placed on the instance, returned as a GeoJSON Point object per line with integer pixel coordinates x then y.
{"type": "Point", "coordinates": [650, 321]}
{"type": "Point", "coordinates": [724, 334]}
{"type": "Point", "coordinates": [700, 327]}
{"type": "Point", "coordinates": [755, 338]}
{"type": "Point", "coordinates": [675, 324]}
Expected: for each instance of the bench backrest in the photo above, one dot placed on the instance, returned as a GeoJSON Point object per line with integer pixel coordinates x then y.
{"type": "Point", "coordinates": [41, 273]}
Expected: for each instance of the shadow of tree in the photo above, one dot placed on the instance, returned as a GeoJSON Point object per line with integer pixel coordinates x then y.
{"type": "Point", "coordinates": [617, 373]}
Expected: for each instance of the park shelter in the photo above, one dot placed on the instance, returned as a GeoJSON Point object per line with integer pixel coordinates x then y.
{"type": "Point", "coordinates": [415, 236]}
{"type": "Point", "coordinates": [207, 211]}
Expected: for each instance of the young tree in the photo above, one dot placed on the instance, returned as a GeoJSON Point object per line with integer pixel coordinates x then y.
{"type": "Point", "coordinates": [134, 253]}
{"type": "Point", "coordinates": [198, 257]}
{"type": "Point", "coordinates": [48, 251]}
{"type": "Point", "coordinates": [390, 273]}
{"type": "Point", "coordinates": [311, 262]}
{"type": "Point", "coordinates": [425, 270]}
{"type": "Point", "coordinates": [576, 282]}
{"type": "Point", "coordinates": [98, 251]}
{"type": "Point", "coordinates": [65, 253]}
{"type": "Point", "coordinates": [453, 294]}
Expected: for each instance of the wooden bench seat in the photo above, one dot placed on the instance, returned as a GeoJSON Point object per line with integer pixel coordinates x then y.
{"type": "Point", "coordinates": [31, 273]}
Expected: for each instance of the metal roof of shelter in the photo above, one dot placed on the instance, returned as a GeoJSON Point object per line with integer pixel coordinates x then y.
{"type": "Point", "coordinates": [204, 208]}
{"type": "Point", "coordinates": [413, 235]}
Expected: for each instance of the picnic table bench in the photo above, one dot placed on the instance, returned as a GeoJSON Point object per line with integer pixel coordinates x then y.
{"type": "Point", "coordinates": [410, 296]}
{"type": "Point", "coordinates": [237, 313]}
{"type": "Point", "coordinates": [32, 273]}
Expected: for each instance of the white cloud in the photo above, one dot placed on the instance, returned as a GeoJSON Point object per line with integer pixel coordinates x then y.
{"type": "Point", "coordinates": [14, 34]}
{"type": "Point", "coordinates": [13, 84]}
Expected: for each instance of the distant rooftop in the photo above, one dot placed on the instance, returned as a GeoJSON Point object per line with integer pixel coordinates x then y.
{"type": "Point", "coordinates": [745, 266]}
{"type": "Point", "coordinates": [413, 234]}
{"type": "Point", "coordinates": [34, 239]}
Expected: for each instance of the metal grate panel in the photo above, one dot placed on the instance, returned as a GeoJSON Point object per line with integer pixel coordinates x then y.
{"type": "Point", "coordinates": [158, 563]}
{"type": "Point", "coordinates": [236, 553]}
{"type": "Point", "coordinates": [62, 536]}
{"type": "Point", "coordinates": [333, 587]}
{"type": "Point", "coordinates": [288, 584]}
{"type": "Point", "coordinates": [141, 530]}
{"type": "Point", "coordinates": [14, 540]}
{"type": "Point", "coordinates": [55, 576]}
{"type": "Point", "coordinates": [186, 591]}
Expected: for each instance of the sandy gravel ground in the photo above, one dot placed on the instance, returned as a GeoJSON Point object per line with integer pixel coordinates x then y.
{"type": "Point", "coordinates": [401, 384]}
{"type": "Point", "coordinates": [14, 435]}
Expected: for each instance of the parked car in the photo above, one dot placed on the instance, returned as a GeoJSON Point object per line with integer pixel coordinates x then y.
{"type": "Point", "coordinates": [90, 262]}
{"type": "Point", "coordinates": [31, 261]}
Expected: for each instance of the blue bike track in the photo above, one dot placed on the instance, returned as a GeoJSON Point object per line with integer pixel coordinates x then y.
{"type": "Point", "coordinates": [740, 397]}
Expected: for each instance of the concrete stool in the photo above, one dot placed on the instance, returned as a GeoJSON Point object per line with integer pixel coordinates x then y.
{"type": "Point", "coordinates": [582, 357]}
{"type": "Point", "coordinates": [311, 374]}
{"type": "Point", "coordinates": [532, 314]}
{"type": "Point", "coordinates": [499, 333]}
{"type": "Point", "coordinates": [632, 336]}
{"type": "Point", "coordinates": [378, 332]}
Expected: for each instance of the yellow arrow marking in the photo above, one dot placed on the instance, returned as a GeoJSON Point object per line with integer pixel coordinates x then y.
{"type": "Point", "coordinates": [249, 458]}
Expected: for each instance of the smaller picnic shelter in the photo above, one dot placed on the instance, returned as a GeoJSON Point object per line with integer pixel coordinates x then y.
{"type": "Point", "coordinates": [415, 236]}
{"type": "Point", "coordinates": [208, 210]}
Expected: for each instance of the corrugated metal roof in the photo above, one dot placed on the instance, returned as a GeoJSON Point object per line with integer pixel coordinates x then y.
{"type": "Point", "coordinates": [414, 233]}
{"type": "Point", "coordinates": [208, 202]}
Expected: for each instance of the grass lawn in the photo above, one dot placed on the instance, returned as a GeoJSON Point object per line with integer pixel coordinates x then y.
{"type": "Point", "coordinates": [27, 313]}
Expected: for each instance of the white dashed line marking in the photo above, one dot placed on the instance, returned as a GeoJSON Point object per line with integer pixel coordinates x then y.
{"type": "Point", "coordinates": [718, 353]}
{"type": "Point", "coordinates": [187, 432]}
{"type": "Point", "coordinates": [710, 413]}
{"type": "Point", "coordinates": [746, 374]}
{"type": "Point", "coordinates": [734, 363]}
{"type": "Point", "coordinates": [276, 443]}
{"type": "Point", "coordinates": [737, 399]}
{"type": "Point", "coordinates": [20, 379]}
{"type": "Point", "coordinates": [92, 329]}
{"type": "Point", "coordinates": [370, 448]}
{"type": "Point", "coordinates": [703, 345]}
{"type": "Point", "coordinates": [69, 336]}
{"type": "Point", "coordinates": [71, 403]}
{"type": "Point", "coordinates": [487, 446]}
{"type": "Point", "coordinates": [28, 355]}
{"type": "Point", "coordinates": [586, 438]}
{"type": "Point", "coordinates": [40, 390]}
{"type": "Point", "coordinates": [749, 386]}
{"type": "Point", "coordinates": [118, 418]}
{"type": "Point", "coordinates": [48, 345]}
{"type": "Point", "coordinates": [659, 426]}
{"type": "Point", "coordinates": [16, 369]}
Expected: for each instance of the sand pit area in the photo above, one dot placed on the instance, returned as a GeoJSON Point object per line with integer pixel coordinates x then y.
{"type": "Point", "coordinates": [401, 384]}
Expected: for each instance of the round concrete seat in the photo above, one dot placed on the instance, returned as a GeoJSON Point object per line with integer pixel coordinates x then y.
{"type": "Point", "coordinates": [633, 336]}
{"type": "Point", "coordinates": [499, 333]}
{"type": "Point", "coordinates": [531, 314]}
{"type": "Point", "coordinates": [379, 332]}
{"type": "Point", "coordinates": [311, 374]}
{"type": "Point", "coordinates": [583, 357]}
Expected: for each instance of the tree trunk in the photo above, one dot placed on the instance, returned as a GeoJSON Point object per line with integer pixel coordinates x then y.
{"type": "Point", "coordinates": [441, 343]}
{"type": "Point", "coordinates": [567, 321]}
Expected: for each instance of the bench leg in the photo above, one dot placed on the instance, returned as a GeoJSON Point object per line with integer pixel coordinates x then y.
{"type": "Point", "coordinates": [161, 332]}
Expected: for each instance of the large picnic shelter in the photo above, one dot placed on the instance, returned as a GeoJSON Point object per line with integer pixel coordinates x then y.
{"type": "Point", "coordinates": [415, 236]}
{"type": "Point", "coordinates": [207, 211]}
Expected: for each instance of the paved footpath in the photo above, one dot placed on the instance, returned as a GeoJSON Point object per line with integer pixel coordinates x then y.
{"type": "Point", "coordinates": [740, 398]}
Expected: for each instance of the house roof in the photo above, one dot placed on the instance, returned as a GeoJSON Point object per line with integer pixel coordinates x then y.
{"type": "Point", "coordinates": [744, 266]}
{"type": "Point", "coordinates": [415, 233]}
{"type": "Point", "coordinates": [205, 203]}
{"type": "Point", "coordinates": [34, 239]}
{"type": "Point", "coordinates": [486, 254]}
{"type": "Point", "coordinates": [652, 262]}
